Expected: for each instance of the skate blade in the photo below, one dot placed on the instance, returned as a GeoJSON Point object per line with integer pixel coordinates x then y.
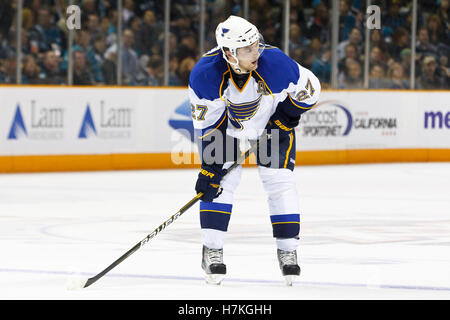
{"type": "Point", "coordinates": [289, 280]}
{"type": "Point", "coordinates": [214, 279]}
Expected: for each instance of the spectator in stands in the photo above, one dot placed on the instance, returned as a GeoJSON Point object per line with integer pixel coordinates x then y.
{"type": "Point", "coordinates": [148, 33]}
{"type": "Point", "coordinates": [297, 55]}
{"type": "Point", "coordinates": [210, 37]}
{"type": "Point", "coordinates": [352, 77]}
{"type": "Point", "coordinates": [27, 19]}
{"type": "Point", "coordinates": [51, 69]}
{"type": "Point", "coordinates": [134, 25]}
{"type": "Point", "coordinates": [186, 66]}
{"type": "Point", "coordinates": [180, 24]}
{"type": "Point", "coordinates": [8, 48]}
{"type": "Point", "coordinates": [11, 69]}
{"type": "Point", "coordinates": [6, 17]}
{"type": "Point", "coordinates": [377, 79]}
{"type": "Point", "coordinates": [3, 78]}
{"type": "Point", "coordinates": [60, 18]}
{"type": "Point", "coordinates": [96, 56]}
{"type": "Point", "coordinates": [130, 64]}
{"type": "Point", "coordinates": [107, 29]}
{"type": "Point", "coordinates": [93, 25]}
{"type": "Point", "coordinates": [81, 73]}
{"type": "Point", "coordinates": [109, 69]}
{"type": "Point", "coordinates": [429, 78]}
{"type": "Point", "coordinates": [397, 77]}
{"type": "Point", "coordinates": [89, 7]}
{"type": "Point", "coordinates": [377, 40]}
{"type": "Point", "coordinates": [259, 13]}
{"type": "Point", "coordinates": [350, 54]}
{"type": "Point", "coordinates": [444, 16]}
{"type": "Point", "coordinates": [188, 47]}
{"type": "Point", "coordinates": [112, 26]}
{"type": "Point", "coordinates": [155, 70]}
{"type": "Point", "coordinates": [424, 47]}
{"type": "Point", "coordinates": [378, 57]}
{"type": "Point", "coordinates": [316, 46]}
{"type": "Point", "coordinates": [45, 33]}
{"type": "Point", "coordinates": [444, 69]}
{"type": "Point", "coordinates": [5, 70]}
{"type": "Point", "coordinates": [400, 41]}
{"type": "Point", "coordinates": [355, 38]}
{"type": "Point", "coordinates": [4, 45]}
{"type": "Point", "coordinates": [173, 44]}
{"type": "Point", "coordinates": [296, 38]}
{"type": "Point", "coordinates": [270, 35]}
{"type": "Point", "coordinates": [310, 34]}
{"type": "Point", "coordinates": [319, 24]}
{"type": "Point", "coordinates": [26, 49]}
{"type": "Point", "coordinates": [82, 40]}
{"type": "Point", "coordinates": [307, 56]}
{"type": "Point", "coordinates": [128, 10]}
{"type": "Point", "coordinates": [30, 70]}
{"type": "Point", "coordinates": [321, 66]}
{"type": "Point", "coordinates": [174, 79]}
{"type": "Point", "coordinates": [435, 30]}
{"type": "Point", "coordinates": [297, 14]}
{"type": "Point", "coordinates": [393, 19]}
{"type": "Point", "coordinates": [405, 60]}
{"type": "Point", "coordinates": [82, 43]}
{"type": "Point", "coordinates": [347, 20]}
{"type": "Point", "coordinates": [141, 78]}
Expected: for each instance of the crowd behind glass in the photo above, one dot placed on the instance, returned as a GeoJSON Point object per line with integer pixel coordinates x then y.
{"type": "Point", "coordinates": [44, 39]}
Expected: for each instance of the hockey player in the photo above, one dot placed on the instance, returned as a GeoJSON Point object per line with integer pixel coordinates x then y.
{"type": "Point", "coordinates": [237, 91]}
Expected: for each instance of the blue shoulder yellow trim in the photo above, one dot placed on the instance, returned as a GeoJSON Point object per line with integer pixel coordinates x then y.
{"type": "Point", "coordinates": [301, 105]}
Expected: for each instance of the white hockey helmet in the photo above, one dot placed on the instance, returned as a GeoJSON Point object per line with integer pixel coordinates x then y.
{"type": "Point", "coordinates": [235, 33]}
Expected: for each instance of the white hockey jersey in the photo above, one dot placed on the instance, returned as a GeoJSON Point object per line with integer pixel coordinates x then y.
{"type": "Point", "coordinates": [215, 98]}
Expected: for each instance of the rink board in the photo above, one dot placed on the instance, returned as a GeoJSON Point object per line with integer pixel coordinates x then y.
{"type": "Point", "coordinates": [45, 128]}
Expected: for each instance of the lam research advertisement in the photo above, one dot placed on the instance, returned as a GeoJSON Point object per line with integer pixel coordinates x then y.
{"type": "Point", "coordinates": [53, 121]}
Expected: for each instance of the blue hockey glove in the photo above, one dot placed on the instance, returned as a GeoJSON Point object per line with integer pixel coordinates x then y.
{"type": "Point", "coordinates": [208, 182]}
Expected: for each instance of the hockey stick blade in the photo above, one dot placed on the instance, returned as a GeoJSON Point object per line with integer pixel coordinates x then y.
{"type": "Point", "coordinates": [169, 221]}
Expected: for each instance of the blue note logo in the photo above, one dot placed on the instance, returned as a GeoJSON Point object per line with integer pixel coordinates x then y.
{"type": "Point", "coordinates": [87, 125]}
{"type": "Point", "coordinates": [241, 112]}
{"type": "Point", "coordinates": [18, 128]}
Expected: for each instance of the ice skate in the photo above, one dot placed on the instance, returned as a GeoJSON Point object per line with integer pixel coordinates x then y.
{"type": "Point", "coordinates": [212, 263]}
{"type": "Point", "coordinates": [288, 265]}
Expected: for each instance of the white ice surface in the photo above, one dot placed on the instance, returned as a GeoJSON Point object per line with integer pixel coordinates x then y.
{"type": "Point", "coordinates": [367, 232]}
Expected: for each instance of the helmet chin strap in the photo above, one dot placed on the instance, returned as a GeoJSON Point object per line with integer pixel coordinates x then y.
{"type": "Point", "coordinates": [235, 65]}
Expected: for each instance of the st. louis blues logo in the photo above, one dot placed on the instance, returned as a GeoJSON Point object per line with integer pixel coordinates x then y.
{"type": "Point", "coordinates": [224, 30]}
{"type": "Point", "coordinates": [242, 112]}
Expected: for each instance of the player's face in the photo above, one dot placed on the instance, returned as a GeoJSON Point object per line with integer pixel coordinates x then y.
{"type": "Point", "coordinates": [248, 57]}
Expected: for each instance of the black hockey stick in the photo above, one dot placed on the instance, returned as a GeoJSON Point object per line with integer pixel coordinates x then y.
{"type": "Point", "coordinates": [188, 205]}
